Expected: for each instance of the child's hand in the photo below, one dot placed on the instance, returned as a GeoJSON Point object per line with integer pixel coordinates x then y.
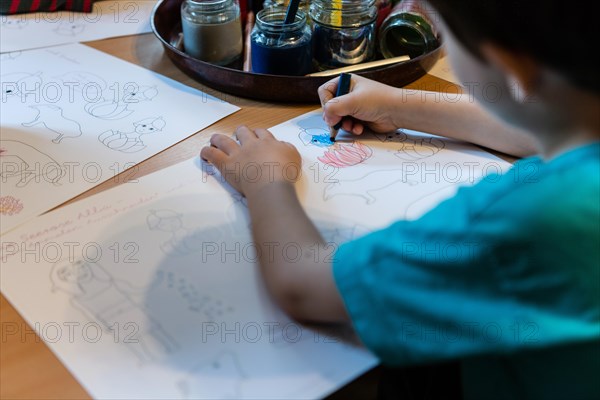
{"type": "Point", "coordinates": [369, 103]}
{"type": "Point", "coordinates": [257, 160]}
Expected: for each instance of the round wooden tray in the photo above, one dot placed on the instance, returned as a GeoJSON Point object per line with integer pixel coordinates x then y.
{"type": "Point", "coordinates": [166, 25]}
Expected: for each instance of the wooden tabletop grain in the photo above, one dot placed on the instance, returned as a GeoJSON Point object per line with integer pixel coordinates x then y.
{"type": "Point", "coordinates": [28, 369]}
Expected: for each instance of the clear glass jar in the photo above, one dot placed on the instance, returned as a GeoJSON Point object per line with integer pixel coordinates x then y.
{"type": "Point", "coordinates": [344, 32]}
{"type": "Point", "coordinates": [278, 48]}
{"type": "Point", "coordinates": [304, 4]}
{"type": "Point", "coordinates": [408, 30]}
{"type": "Point", "coordinates": [212, 30]}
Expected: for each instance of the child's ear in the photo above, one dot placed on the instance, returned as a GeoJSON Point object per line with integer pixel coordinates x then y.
{"type": "Point", "coordinates": [522, 72]}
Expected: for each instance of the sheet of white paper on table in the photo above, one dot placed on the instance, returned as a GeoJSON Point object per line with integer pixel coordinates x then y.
{"type": "Point", "coordinates": [110, 18]}
{"type": "Point", "coordinates": [443, 70]}
{"type": "Point", "coordinates": [73, 117]}
{"type": "Point", "coordinates": [169, 261]}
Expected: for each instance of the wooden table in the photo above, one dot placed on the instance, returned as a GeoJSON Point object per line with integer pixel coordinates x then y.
{"type": "Point", "coordinates": [28, 369]}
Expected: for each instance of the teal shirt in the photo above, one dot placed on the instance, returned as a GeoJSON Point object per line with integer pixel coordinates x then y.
{"type": "Point", "coordinates": [505, 276]}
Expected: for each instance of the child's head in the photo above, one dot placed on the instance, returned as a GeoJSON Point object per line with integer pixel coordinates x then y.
{"type": "Point", "coordinates": [529, 61]}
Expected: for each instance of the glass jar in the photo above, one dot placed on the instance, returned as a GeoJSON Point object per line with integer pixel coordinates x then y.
{"type": "Point", "coordinates": [304, 4]}
{"type": "Point", "coordinates": [344, 32]}
{"type": "Point", "coordinates": [278, 48]}
{"type": "Point", "coordinates": [408, 30]}
{"type": "Point", "coordinates": [212, 30]}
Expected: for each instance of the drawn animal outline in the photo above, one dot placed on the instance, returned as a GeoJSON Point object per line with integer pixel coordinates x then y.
{"type": "Point", "coordinates": [131, 142]}
{"type": "Point", "coordinates": [367, 185]}
{"type": "Point", "coordinates": [113, 109]}
{"type": "Point", "coordinates": [14, 153]}
{"type": "Point", "coordinates": [102, 299]}
{"type": "Point", "coordinates": [52, 118]}
{"type": "Point", "coordinates": [220, 377]}
{"type": "Point", "coordinates": [181, 241]}
{"type": "Point", "coordinates": [20, 83]}
{"type": "Point", "coordinates": [413, 147]}
{"type": "Point", "coordinates": [70, 28]}
{"type": "Point", "coordinates": [82, 81]}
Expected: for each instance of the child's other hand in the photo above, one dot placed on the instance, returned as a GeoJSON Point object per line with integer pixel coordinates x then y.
{"type": "Point", "coordinates": [257, 160]}
{"type": "Point", "coordinates": [369, 103]}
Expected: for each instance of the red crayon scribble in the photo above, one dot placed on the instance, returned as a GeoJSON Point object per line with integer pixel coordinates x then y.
{"type": "Point", "coordinates": [346, 155]}
{"type": "Point", "coordinates": [10, 205]}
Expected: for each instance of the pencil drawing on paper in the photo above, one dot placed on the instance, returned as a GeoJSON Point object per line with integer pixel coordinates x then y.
{"type": "Point", "coordinates": [104, 300]}
{"type": "Point", "coordinates": [83, 81]}
{"type": "Point", "coordinates": [210, 308]}
{"type": "Point", "coordinates": [180, 241]}
{"type": "Point", "coordinates": [368, 185]}
{"type": "Point", "coordinates": [342, 155]}
{"type": "Point", "coordinates": [16, 22]}
{"type": "Point", "coordinates": [20, 84]}
{"type": "Point", "coordinates": [113, 109]}
{"type": "Point", "coordinates": [218, 378]}
{"type": "Point", "coordinates": [413, 147]}
{"type": "Point", "coordinates": [70, 28]}
{"type": "Point", "coordinates": [131, 142]}
{"type": "Point", "coordinates": [53, 119]}
{"type": "Point", "coordinates": [13, 55]}
{"type": "Point", "coordinates": [26, 163]}
{"type": "Point", "coordinates": [10, 205]}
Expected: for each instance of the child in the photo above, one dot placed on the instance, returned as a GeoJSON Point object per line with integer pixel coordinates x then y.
{"type": "Point", "coordinates": [521, 309]}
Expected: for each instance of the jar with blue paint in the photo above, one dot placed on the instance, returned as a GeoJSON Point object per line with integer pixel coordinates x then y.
{"type": "Point", "coordinates": [344, 32]}
{"type": "Point", "coordinates": [278, 48]}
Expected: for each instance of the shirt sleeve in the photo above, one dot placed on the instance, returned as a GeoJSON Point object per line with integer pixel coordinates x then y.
{"type": "Point", "coordinates": [25, 6]}
{"type": "Point", "coordinates": [452, 285]}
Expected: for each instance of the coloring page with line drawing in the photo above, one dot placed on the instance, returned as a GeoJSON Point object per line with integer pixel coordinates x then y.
{"type": "Point", "coordinates": [158, 282]}
{"type": "Point", "coordinates": [108, 19]}
{"type": "Point", "coordinates": [73, 117]}
{"type": "Point", "coordinates": [380, 177]}
{"type": "Point", "coordinates": [158, 278]}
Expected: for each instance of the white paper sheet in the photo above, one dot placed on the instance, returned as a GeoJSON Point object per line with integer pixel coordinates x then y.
{"type": "Point", "coordinates": [168, 261]}
{"type": "Point", "coordinates": [443, 70]}
{"type": "Point", "coordinates": [73, 117]}
{"type": "Point", "coordinates": [381, 178]}
{"type": "Point", "coordinates": [110, 18]}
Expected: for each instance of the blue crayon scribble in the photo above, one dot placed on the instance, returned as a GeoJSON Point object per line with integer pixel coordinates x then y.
{"type": "Point", "coordinates": [321, 140]}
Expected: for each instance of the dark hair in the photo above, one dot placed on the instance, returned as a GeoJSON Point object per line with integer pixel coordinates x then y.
{"type": "Point", "coordinates": [562, 35]}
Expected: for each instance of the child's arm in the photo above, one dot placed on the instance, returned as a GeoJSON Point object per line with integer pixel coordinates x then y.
{"type": "Point", "coordinates": [294, 259]}
{"type": "Point", "coordinates": [384, 109]}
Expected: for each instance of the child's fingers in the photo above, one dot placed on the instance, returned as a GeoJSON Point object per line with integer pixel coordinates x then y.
{"type": "Point", "coordinates": [358, 128]}
{"type": "Point", "coordinates": [244, 134]}
{"type": "Point", "coordinates": [213, 156]}
{"type": "Point", "coordinates": [264, 134]}
{"type": "Point", "coordinates": [337, 108]}
{"type": "Point", "coordinates": [327, 90]}
{"type": "Point", "coordinates": [224, 143]}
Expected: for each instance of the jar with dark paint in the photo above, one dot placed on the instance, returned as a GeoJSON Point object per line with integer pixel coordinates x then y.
{"type": "Point", "coordinates": [212, 30]}
{"type": "Point", "coordinates": [278, 48]}
{"type": "Point", "coordinates": [408, 31]}
{"type": "Point", "coordinates": [344, 32]}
